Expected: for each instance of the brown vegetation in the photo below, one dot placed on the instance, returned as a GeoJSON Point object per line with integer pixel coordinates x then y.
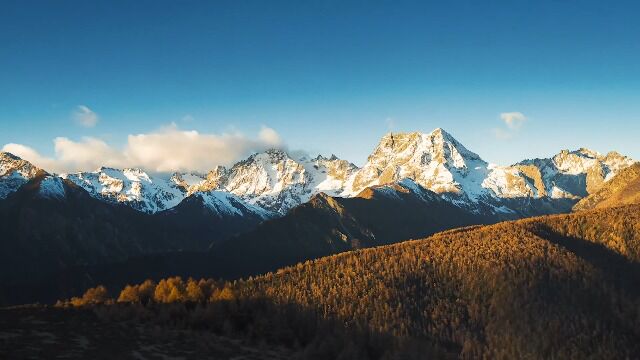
{"type": "Point", "coordinates": [551, 287]}
{"type": "Point", "coordinates": [93, 296]}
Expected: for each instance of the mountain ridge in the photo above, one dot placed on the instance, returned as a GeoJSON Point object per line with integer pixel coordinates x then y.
{"type": "Point", "coordinates": [622, 189]}
{"type": "Point", "coordinates": [277, 182]}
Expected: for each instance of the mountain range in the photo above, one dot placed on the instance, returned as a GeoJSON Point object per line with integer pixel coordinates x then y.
{"type": "Point", "coordinates": [273, 182]}
{"type": "Point", "coordinates": [270, 210]}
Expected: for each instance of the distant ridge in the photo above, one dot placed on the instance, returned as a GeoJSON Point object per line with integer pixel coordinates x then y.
{"type": "Point", "coordinates": [277, 182]}
{"type": "Point", "coordinates": [622, 189]}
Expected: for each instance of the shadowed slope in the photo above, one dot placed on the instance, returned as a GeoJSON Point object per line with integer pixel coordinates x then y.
{"type": "Point", "coordinates": [50, 227]}
{"type": "Point", "coordinates": [327, 225]}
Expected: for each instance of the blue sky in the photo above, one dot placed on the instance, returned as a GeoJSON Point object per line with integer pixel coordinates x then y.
{"type": "Point", "coordinates": [328, 76]}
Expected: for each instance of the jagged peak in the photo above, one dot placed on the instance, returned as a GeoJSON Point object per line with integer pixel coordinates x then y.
{"type": "Point", "coordinates": [218, 170]}
{"type": "Point", "coordinates": [587, 152]}
{"type": "Point", "coordinates": [439, 143]}
{"type": "Point", "coordinates": [273, 154]}
{"type": "Point", "coordinates": [103, 169]}
{"type": "Point", "coordinates": [276, 152]}
{"type": "Point", "coordinates": [437, 132]}
{"type": "Point", "coordinates": [216, 177]}
{"type": "Point", "coordinates": [138, 171]}
{"type": "Point", "coordinates": [583, 152]}
{"type": "Point", "coordinates": [9, 156]}
{"type": "Point", "coordinates": [614, 155]}
{"type": "Point", "coordinates": [320, 195]}
{"type": "Point", "coordinates": [402, 135]}
{"type": "Point", "coordinates": [333, 157]}
{"type": "Point", "coordinates": [10, 162]}
{"type": "Point", "coordinates": [324, 200]}
{"type": "Point", "coordinates": [440, 132]}
{"type": "Point", "coordinates": [178, 174]}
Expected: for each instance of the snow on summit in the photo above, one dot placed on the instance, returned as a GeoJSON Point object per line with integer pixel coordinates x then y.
{"type": "Point", "coordinates": [275, 182]}
{"type": "Point", "coordinates": [132, 187]}
{"type": "Point", "coordinates": [440, 163]}
{"type": "Point", "coordinates": [436, 161]}
{"type": "Point", "coordinates": [14, 172]}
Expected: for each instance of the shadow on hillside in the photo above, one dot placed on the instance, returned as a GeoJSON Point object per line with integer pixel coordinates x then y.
{"type": "Point", "coordinates": [616, 268]}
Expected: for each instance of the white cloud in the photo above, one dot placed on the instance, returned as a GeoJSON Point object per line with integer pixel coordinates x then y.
{"type": "Point", "coordinates": [513, 120]}
{"type": "Point", "coordinates": [269, 136]}
{"type": "Point", "coordinates": [87, 154]}
{"type": "Point", "coordinates": [85, 116]}
{"type": "Point", "coordinates": [165, 150]}
{"type": "Point", "coordinates": [30, 154]}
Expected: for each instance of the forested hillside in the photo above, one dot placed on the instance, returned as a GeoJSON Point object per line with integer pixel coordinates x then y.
{"type": "Point", "coordinates": [561, 286]}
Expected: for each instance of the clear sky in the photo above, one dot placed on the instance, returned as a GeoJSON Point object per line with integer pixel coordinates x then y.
{"type": "Point", "coordinates": [324, 76]}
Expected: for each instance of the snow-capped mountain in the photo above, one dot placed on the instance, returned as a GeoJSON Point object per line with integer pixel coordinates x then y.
{"type": "Point", "coordinates": [270, 183]}
{"type": "Point", "coordinates": [270, 179]}
{"type": "Point", "coordinates": [15, 172]}
{"type": "Point", "coordinates": [223, 203]}
{"type": "Point", "coordinates": [438, 162]}
{"type": "Point", "coordinates": [187, 181]}
{"type": "Point", "coordinates": [52, 187]}
{"type": "Point", "coordinates": [214, 180]}
{"type": "Point", "coordinates": [132, 187]}
{"type": "Point", "coordinates": [275, 181]}
{"type": "Point", "coordinates": [572, 174]}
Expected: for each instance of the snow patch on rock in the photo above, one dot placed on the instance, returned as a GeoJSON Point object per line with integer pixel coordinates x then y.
{"type": "Point", "coordinates": [52, 187]}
